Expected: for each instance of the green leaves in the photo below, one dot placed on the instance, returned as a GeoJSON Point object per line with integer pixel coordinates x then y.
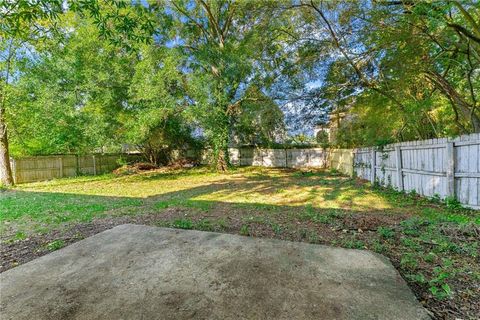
{"type": "Point", "coordinates": [402, 71]}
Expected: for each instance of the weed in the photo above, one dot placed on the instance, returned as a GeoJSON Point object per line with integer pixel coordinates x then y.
{"type": "Point", "coordinates": [442, 292]}
{"type": "Point", "coordinates": [182, 224]}
{"type": "Point", "coordinates": [55, 245]}
{"type": "Point", "coordinates": [162, 204]}
{"type": "Point", "coordinates": [377, 246]}
{"type": "Point", "coordinates": [204, 225]}
{"type": "Point", "coordinates": [411, 227]}
{"type": "Point", "coordinates": [244, 230]}
{"type": "Point", "coordinates": [411, 243]}
{"type": "Point", "coordinates": [221, 224]}
{"type": "Point", "coordinates": [452, 203]}
{"type": "Point", "coordinates": [186, 203]}
{"type": "Point", "coordinates": [313, 237]}
{"type": "Point", "coordinates": [204, 206]}
{"type": "Point", "coordinates": [430, 257]}
{"type": "Point", "coordinates": [310, 213]}
{"type": "Point", "coordinates": [353, 244]}
{"type": "Point", "coordinates": [303, 233]}
{"type": "Point", "coordinates": [416, 277]}
{"type": "Point", "coordinates": [438, 285]}
{"type": "Point", "coordinates": [471, 249]}
{"type": "Point", "coordinates": [409, 261]}
{"type": "Point", "coordinates": [302, 174]}
{"type": "Point", "coordinates": [20, 235]}
{"type": "Point", "coordinates": [334, 172]}
{"type": "Point", "coordinates": [386, 232]}
{"type": "Point", "coordinates": [436, 199]}
{"type": "Point", "coordinates": [276, 228]}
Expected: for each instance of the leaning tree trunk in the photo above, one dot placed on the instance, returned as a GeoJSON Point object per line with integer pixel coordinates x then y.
{"type": "Point", "coordinates": [6, 177]}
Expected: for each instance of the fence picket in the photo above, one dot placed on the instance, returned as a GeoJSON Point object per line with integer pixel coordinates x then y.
{"type": "Point", "coordinates": [436, 166]}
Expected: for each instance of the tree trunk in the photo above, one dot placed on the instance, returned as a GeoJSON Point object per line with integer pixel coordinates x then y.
{"type": "Point", "coordinates": [222, 161]}
{"type": "Point", "coordinates": [6, 177]}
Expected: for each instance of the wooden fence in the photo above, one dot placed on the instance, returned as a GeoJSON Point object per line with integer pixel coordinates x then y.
{"type": "Point", "coordinates": [341, 160]}
{"type": "Point", "coordinates": [436, 167]}
{"type": "Point", "coordinates": [288, 158]}
{"type": "Point", "coordinates": [285, 158]}
{"type": "Point", "coordinates": [49, 167]}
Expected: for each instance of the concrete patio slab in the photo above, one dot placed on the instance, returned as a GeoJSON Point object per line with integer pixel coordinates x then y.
{"type": "Point", "coordinates": [140, 272]}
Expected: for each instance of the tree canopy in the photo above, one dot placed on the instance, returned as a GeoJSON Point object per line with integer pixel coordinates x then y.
{"type": "Point", "coordinates": [413, 63]}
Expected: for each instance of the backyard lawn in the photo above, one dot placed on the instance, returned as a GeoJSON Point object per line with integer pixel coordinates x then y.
{"type": "Point", "coordinates": [434, 246]}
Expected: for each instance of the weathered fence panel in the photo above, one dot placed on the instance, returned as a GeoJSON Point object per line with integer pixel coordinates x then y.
{"type": "Point", "coordinates": [436, 167]}
{"type": "Point", "coordinates": [287, 158]}
{"type": "Point", "coordinates": [341, 160]}
{"type": "Point", "coordinates": [314, 157]}
{"type": "Point", "coordinates": [362, 163]}
{"type": "Point", "coordinates": [41, 168]}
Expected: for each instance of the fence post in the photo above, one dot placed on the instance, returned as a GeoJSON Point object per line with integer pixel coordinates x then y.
{"type": "Point", "coordinates": [77, 165]}
{"type": "Point", "coordinates": [398, 153]}
{"type": "Point", "coordinates": [94, 166]}
{"type": "Point", "coordinates": [352, 165]}
{"type": "Point", "coordinates": [60, 167]}
{"type": "Point", "coordinates": [373, 163]}
{"type": "Point", "coordinates": [13, 165]}
{"type": "Point", "coordinates": [326, 157]}
{"type": "Point", "coordinates": [450, 169]}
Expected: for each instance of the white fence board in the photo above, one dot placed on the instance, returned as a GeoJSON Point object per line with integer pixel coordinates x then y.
{"type": "Point", "coordinates": [425, 166]}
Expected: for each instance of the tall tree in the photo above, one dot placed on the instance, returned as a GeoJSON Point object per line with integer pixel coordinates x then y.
{"type": "Point", "coordinates": [6, 177]}
{"type": "Point", "coordinates": [71, 92]}
{"type": "Point", "coordinates": [226, 46]}
{"type": "Point", "coordinates": [29, 22]}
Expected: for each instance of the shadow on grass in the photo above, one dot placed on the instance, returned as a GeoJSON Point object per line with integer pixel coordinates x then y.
{"type": "Point", "coordinates": [288, 195]}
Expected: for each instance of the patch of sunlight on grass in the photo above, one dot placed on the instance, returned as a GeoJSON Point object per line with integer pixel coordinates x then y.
{"type": "Point", "coordinates": [368, 202]}
{"type": "Point", "coordinates": [357, 199]}
{"type": "Point", "coordinates": [134, 186]}
{"type": "Point", "coordinates": [263, 193]}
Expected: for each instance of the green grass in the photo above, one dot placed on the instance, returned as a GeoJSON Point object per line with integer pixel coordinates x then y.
{"type": "Point", "coordinates": [434, 245]}
{"type": "Point", "coordinates": [33, 210]}
{"type": "Point", "coordinates": [46, 205]}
